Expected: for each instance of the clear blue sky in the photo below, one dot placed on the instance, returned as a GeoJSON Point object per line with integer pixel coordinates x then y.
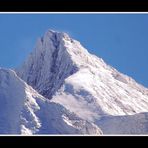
{"type": "Point", "coordinates": [120, 39]}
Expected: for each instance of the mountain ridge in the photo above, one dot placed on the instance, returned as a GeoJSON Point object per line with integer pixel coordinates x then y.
{"type": "Point", "coordinates": [24, 111]}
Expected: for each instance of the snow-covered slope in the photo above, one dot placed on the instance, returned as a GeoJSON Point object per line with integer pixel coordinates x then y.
{"type": "Point", "coordinates": [24, 111]}
{"type": "Point", "coordinates": [128, 124]}
{"type": "Point", "coordinates": [62, 70]}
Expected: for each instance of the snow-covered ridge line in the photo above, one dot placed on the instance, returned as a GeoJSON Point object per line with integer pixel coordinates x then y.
{"type": "Point", "coordinates": [24, 111]}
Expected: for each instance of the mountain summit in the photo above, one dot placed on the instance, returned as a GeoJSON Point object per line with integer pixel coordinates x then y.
{"type": "Point", "coordinates": [63, 72]}
{"type": "Point", "coordinates": [49, 64]}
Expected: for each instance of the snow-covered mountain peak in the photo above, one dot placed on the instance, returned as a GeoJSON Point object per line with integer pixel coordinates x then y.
{"type": "Point", "coordinates": [51, 33]}
{"type": "Point", "coordinates": [56, 38]}
{"type": "Point", "coordinates": [62, 70]}
{"type": "Point", "coordinates": [63, 40]}
{"type": "Point", "coordinates": [55, 57]}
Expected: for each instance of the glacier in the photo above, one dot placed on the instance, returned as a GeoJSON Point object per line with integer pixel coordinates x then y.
{"type": "Point", "coordinates": [61, 88]}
